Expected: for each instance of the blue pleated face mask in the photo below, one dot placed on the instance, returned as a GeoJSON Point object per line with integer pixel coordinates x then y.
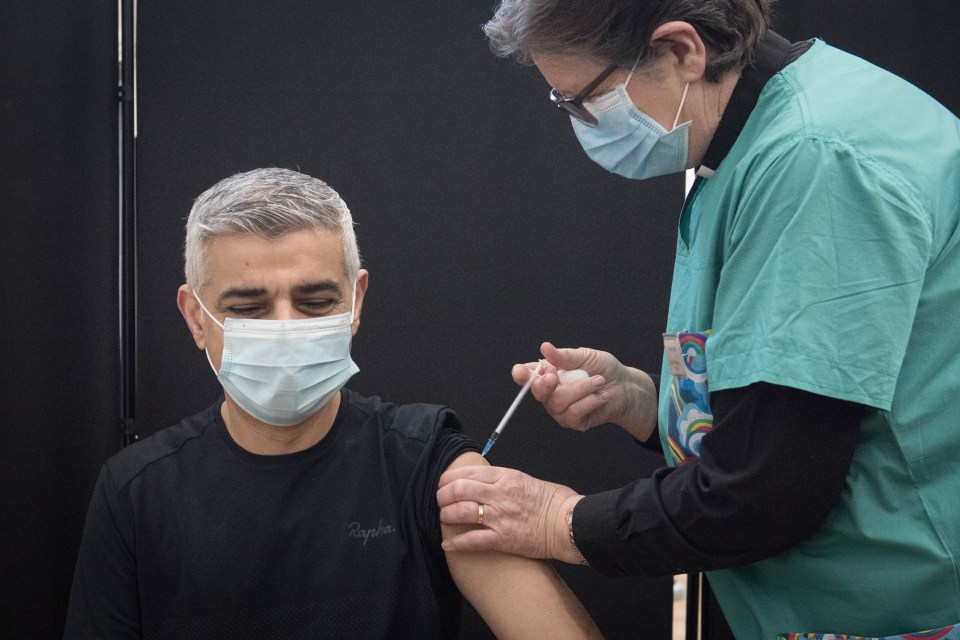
{"type": "Point", "coordinates": [630, 143]}
{"type": "Point", "coordinates": [281, 372]}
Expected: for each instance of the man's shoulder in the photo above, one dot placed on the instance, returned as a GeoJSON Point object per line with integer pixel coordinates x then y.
{"type": "Point", "coordinates": [417, 421]}
{"type": "Point", "coordinates": [131, 461]}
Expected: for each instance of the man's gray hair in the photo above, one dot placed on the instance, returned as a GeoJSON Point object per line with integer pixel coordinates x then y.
{"type": "Point", "coordinates": [618, 31]}
{"type": "Point", "coordinates": [267, 203]}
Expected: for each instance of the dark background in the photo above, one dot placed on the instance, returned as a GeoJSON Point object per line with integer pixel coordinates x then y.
{"type": "Point", "coordinates": [485, 228]}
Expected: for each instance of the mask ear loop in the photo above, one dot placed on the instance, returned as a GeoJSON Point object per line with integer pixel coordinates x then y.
{"type": "Point", "coordinates": [353, 302]}
{"type": "Point", "coordinates": [200, 302]}
{"type": "Point", "coordinates": [210, 315]}
{"type": "Point", "coordinates": [632, 69]}
{"type": "Point", "coordinates": [683, 99]}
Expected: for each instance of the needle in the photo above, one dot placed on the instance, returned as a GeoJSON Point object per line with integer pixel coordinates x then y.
{"type": "Point", "coordinates": [513, 407]}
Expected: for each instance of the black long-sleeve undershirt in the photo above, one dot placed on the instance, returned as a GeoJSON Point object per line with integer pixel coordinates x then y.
{"type": "Point", "coordinates": [775, 455]}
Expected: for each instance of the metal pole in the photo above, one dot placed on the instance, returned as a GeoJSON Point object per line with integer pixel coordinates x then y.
{"type": "Point", "coordinates": [693, 606]}
{"type": "Point", "coordinates": [127, 170]}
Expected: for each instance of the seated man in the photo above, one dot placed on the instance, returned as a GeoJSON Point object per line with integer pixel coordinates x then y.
{"type": "Point", "coordinates": [291, 508]}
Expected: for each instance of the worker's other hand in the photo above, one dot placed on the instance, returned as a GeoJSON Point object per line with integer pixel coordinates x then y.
{"type": "Point", "coordinates": [522, 515]}
{"type": "Point", "coordinates": [613, 393]}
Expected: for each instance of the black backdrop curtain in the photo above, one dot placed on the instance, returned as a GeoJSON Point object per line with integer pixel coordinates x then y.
{"type": "Point", "coordinates": [485, 228]}
{"type": "Point", "coordinates": [58, 348]}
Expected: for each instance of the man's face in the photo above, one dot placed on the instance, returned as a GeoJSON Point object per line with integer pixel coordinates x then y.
{"type": "Point", "coordinates": [300, 275]}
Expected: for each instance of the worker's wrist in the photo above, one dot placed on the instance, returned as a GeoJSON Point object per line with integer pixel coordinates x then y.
{"type": "Point", "coordinates": [566, 549]}
{"type": "Point", "coordinates": [640, 405]}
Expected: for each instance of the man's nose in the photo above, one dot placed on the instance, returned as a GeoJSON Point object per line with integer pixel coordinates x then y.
{"type": "Point", "coordinates": [284, 310]}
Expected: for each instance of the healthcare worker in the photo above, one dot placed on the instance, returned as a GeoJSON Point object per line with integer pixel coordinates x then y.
{"type": "Point", "coordinates": [811, 369]}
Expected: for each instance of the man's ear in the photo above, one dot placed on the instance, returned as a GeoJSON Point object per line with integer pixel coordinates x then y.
{"type": "Point", "coordinates": [681, 42]}
{"type": "Point", "coordinates": [363, 281]}
{"type": "Point", "coordinates": [191, 311]}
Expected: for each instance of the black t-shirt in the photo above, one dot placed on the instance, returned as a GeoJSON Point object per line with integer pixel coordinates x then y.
{"type": "Point", "coordinates": [190, 536]}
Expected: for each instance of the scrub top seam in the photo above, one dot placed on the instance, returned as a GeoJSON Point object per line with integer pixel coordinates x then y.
{"type": "Point", "coordinates": [810, 134]}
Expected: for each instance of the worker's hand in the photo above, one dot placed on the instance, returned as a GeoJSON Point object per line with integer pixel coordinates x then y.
{"type": "Point", "coordinates": [521, 514]}
{"type": "Point", "coordinates": [613, 393]}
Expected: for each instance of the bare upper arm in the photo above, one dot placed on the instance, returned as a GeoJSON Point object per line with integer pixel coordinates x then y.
{"type": "Point", "coordinates": [517, 597]}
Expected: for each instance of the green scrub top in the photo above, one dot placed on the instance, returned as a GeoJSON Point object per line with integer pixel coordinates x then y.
{"type": "Point", "coordinates": [824, 255]}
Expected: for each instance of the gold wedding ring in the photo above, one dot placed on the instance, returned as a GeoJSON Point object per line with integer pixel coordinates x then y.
{"type": "Point", "coordinates": [480, 514]}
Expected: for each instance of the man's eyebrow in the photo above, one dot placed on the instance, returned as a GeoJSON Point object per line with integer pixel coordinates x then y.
{"type": "Point", "coordinates": [319, 286]}
{"type": "Point", "coordinates": [242, 292]}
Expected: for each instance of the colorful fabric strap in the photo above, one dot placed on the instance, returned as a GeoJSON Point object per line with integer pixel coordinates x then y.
{"type": "Point", "coordinates": [946, 633]}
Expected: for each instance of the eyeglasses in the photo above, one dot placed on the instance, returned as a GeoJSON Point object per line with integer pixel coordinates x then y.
{"type": "Point", "coordinates": [574, 106]}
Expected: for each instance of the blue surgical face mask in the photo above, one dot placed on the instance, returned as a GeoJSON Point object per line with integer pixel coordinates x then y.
{"type": "Point", "coordinates": [630, 143]}
{"type": "Point", "coordinates": [282, 372]}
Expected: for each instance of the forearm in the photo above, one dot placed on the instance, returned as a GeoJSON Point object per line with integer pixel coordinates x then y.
{"type": "Point", "coordinates": [727, 507]}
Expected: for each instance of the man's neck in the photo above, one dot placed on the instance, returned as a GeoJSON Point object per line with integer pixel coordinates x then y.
{"type": "Point", "coordinates": [269, 440]}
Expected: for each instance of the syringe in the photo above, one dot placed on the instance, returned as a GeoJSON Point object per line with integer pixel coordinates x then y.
{"type": "Point", "coordinates": [513, 407]}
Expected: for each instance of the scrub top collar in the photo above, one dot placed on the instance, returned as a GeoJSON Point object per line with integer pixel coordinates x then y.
{"type": "Point", "coordinates": [773, 53]}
